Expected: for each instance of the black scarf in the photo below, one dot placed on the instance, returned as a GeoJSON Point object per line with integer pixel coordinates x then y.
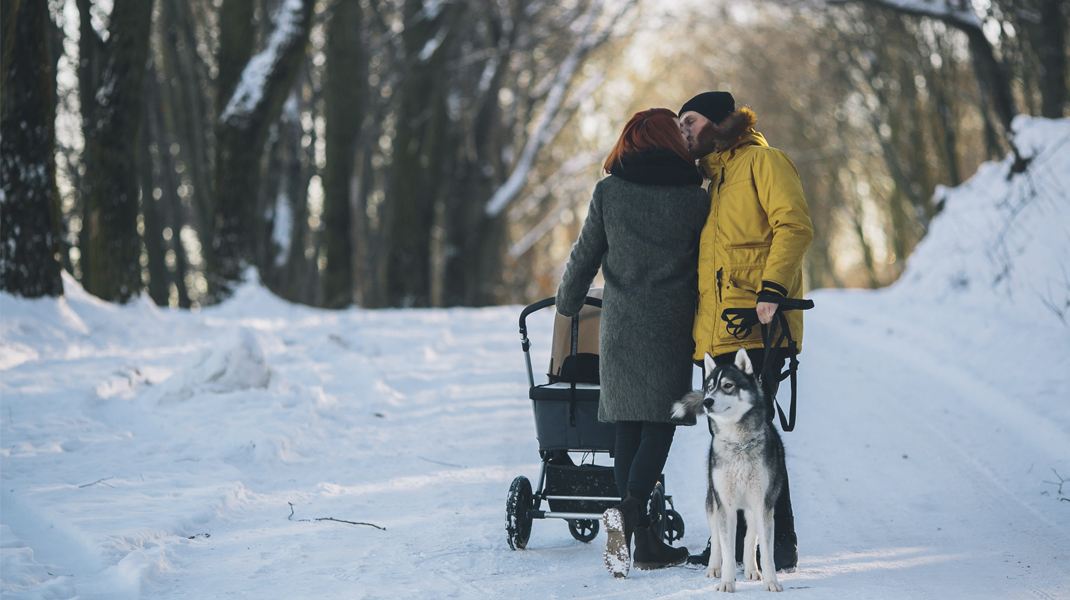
{"type": "Point", "coordinates": [656, 166]}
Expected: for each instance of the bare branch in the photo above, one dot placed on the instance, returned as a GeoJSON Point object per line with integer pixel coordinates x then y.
{"type": "Point", "coordinates": [291, 518]}
{"type": "Point", "coordinates": [957, 14]}
{"type": "Point", "coordinates": [536, 233]}
{"type": "Point", "coordinates": [570, 167]}
{"type": "Point", "coordinates": [100, 481]}
{"type": "Point", "coordinates": [540, 135]}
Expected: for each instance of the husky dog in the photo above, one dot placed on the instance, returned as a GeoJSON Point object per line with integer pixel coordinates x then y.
{"type": "Point", "coordinates": [745, 470]}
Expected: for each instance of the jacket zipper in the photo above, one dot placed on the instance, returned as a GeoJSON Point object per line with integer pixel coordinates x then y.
{"type": "Point", "coordinates": [720, 272]}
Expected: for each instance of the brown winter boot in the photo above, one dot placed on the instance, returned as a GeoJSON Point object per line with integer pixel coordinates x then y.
{"type": "Point", "coordinates": [651, 552]}
{"type": "Point", "coordinates": [619, 522]}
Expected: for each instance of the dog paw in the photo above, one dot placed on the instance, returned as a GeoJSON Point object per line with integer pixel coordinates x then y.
{"type": "Point", "coordinates": [726, 586]}
{"type": "Point", "coordinates": [713, 572]}
{"type": "Point", "coordinates": [773, 586]}
{"type": "Point", "coordinates": [752, 574]}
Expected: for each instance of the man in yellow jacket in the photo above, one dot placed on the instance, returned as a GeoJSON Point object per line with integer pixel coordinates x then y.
{"type": "Point", "coordinates": [751, 250]}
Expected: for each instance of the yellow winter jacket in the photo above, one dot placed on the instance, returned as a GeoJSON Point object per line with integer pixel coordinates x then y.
{"type": "Point", "coordinates": [755, 236]}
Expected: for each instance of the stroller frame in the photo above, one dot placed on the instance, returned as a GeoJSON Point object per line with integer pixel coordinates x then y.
{"type": "Point", "coordinates": [578, 494]}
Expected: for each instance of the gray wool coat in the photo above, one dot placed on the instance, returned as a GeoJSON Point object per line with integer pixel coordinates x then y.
{"type": "Point", "coordinates": [645, 239]}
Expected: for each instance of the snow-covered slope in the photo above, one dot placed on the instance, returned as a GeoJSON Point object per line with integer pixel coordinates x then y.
{"type": "Point", "coordinates": [162, 454]}
{"type": "Point", "coordinates": [1004, 241]}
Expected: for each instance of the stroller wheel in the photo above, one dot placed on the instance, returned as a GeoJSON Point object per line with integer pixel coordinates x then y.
{"type": "Point", "coordinates": [517, 517]}
{"type": "Point", "coordinates": [583, 530]}
{"type": "Point", "coordinates": [674, 526]}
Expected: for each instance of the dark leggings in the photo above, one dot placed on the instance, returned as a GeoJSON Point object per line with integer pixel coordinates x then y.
{"type": "Point", "coordinates": [639, 457]}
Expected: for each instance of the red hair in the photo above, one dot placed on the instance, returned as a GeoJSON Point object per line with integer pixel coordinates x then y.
{"type": "Point", "coordinates": [653, 128]}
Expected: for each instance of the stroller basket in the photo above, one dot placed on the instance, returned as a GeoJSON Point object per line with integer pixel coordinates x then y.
{"type": "Point", "coordinates": [580, 481]}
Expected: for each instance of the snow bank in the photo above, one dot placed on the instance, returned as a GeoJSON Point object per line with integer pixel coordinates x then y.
{"type": "Point", "coordinates": [1004, 240]}
{"type": "Point", "coordinates": [24, 577]}
{"type": "Point", "coordinates": [32, 328]}
{"type": "Point", "coordinates": [235, 362]}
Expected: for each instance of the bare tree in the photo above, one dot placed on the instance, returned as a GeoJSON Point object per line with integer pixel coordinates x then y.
{"type": "Point", "coordinates": [479, 262]}
{"type": "Point", "coordinates": [29, 200]}
{"type": "Point", "coordinates": [113, 76]}
{"type": "Point", "coordinates": [991, 75]}
{"type": "Point", "coordinates": [249, 107]}
{"type": "Point", "coordinates": [1041, 27]}
{"type": "Point", "coordinates": [344, 91]}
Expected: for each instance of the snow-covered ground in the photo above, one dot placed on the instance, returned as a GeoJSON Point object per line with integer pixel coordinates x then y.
{"type": "Point", "coordinates": [159, 454]}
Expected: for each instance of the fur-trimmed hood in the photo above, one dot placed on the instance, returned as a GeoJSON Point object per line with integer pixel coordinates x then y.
{"type": "Point", "coordinates": [735, 132]}
{"type": "Point", "coordinates": [729, 132]}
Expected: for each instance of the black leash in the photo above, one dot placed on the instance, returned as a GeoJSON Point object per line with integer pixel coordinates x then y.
{"type": "Point", "coordinates": [741, 322]}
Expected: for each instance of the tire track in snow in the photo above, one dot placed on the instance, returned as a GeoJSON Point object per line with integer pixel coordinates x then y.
{"type": "Point", "coordinates": [895, 395]}
{"type": "Point", "coordinates": [1029, 427]}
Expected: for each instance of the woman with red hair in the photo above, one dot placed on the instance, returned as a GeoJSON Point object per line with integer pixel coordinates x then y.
{"type": "Point", "coordinates": [642, 229]}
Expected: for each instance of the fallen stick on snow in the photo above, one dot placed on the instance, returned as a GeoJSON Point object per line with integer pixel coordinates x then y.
{"type": "Point", "coordinates": [85, 485]}
{"type": "Point", "coordinates": [291, 518]}
{"type": "Point", "coordinates": [439, 462]}
{"type": "Point", "coordinates": [1062, 481]}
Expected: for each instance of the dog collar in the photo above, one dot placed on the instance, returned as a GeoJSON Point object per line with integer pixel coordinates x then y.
{"type": "Point", "coordinates": [750, 445]}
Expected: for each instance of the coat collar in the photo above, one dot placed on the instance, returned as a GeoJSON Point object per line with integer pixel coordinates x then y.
{"type": "Point", "coordinates": [656, 166]}
{"type": "Point", "coordinates": [735, 132]}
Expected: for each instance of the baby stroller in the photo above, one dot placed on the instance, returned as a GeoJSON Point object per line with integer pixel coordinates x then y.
{"type": "Point", "coordinates": [566, 420]}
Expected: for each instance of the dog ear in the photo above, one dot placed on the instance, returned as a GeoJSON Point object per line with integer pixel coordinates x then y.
{"type": "Point", "coordinates": [743, 362]}
{"type": "Point", "coordinates": [690, 404]}
{"type": "Point", "coordinates": [710, 365]}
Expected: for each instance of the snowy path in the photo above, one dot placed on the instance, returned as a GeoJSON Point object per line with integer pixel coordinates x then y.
{"type": "Point", "coordinates": [133, 469]}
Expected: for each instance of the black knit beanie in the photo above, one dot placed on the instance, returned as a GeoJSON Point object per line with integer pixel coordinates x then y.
{"type": "Point", "coordinates": [715, 106]}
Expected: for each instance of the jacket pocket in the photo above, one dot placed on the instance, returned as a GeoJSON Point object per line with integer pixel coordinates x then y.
{"type": "Point", "coordinates": [742, 284]}
{"type": "Point", "coordinates": [743, 258]}
{"type": "Point", "coordinates": [741, 287]}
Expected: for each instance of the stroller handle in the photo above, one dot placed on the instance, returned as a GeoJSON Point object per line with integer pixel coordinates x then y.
{"type": "Point", "coordinates": [525, 343]}
{"type": "Point", "coordinates": [541, 304]}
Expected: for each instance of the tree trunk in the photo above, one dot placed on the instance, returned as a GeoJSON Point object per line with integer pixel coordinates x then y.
{"type": "Point", "coordinates": [237, 37]}
{"type": "Point", "coordinates": [369, 287]}
{"type": "Point", "coordinates": [191, 125]}
{"type": "Point", "coordinates": [111, 262]}
{"type": "Point", "coordinates": [1051, 50]}
{"type": "Point", "coordinates": [284, 232]}
{"type": "Point", "coordinates": [474, 274]}
{"type": "Point", "coordinates": [418, 155]}
{"type": "Point", "coordinates": [241, 133]}
{"type": "Point", "coordinates": [346, 81]}
{"type": "Point", "coordinates": [938, 81]}
{"type": "Point", "coordinates": [168, 262]}
{"type": "Point", "coordinates": [300, 271]}
{"type": "Point", "coordinates": [477, 243]}
{"type": "Point", "coordinates": [182, 133]}
{"type": "Point", "coordinates": [155, 245]}
{"type": "Point", "coordinates": [991, 76]}
{"type": "Point", "coordinates": [29, 200]}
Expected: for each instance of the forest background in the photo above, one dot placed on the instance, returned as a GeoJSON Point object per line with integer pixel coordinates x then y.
{"type": "Point", "coordinates": [399, 153]}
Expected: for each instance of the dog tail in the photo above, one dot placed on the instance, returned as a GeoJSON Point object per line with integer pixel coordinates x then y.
{"type": "Point", "coordinates": [690, 404]}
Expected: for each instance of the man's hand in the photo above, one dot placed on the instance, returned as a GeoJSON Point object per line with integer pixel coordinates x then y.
{"type": "Point", "coordinates": [766, 310]}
